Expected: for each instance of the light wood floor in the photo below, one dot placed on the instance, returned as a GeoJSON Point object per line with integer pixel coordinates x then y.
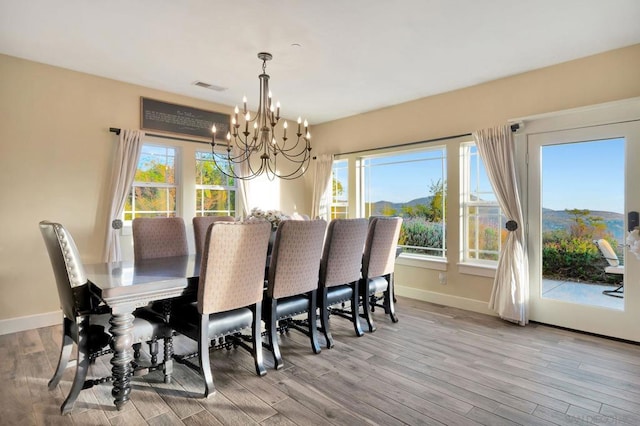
{"type": "Point", "coordinates": [437, 365]}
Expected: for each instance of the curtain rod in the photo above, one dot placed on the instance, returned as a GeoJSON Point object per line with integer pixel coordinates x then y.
{"type": "Point", "coordinates": [514, 127]}
{"type": "Point", "coordinates": [175, 138]}
{"type": "Point", "coordinates": [405, 144]}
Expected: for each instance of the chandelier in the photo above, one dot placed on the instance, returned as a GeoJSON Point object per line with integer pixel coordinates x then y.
{"type": "Point", "coordinates": [279, 155]}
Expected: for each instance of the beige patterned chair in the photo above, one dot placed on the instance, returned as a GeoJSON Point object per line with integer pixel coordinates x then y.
{"type": "Point", "coordinates": [378, 264]}
{"type": "Point", "coordinates": [293, 281]}
{"type": "Point", "coordinates": [159, 237]}
{"type": "Point", "coordinates": [200, 226]}
{"type": "Point", "coordinates": [229, 295]}
{"type": "Point", "coordinates": [340, 272]}
{"type": "Point", "coordinates": [85, 321]}
{"type": "Point", "coordinates": [154, 238]}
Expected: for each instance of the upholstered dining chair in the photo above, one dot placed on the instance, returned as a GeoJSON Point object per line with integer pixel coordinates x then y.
{"type": "Point", "coordinates": [200, 226]}
{"type": "Point", "coordinates": [378, 265]}
{"type": "Point", "coordinates": [85, 321]}
{"type": "Point", "coordinates": [293, 281]}
{"type": "Point", "coordinates": [154, 238]}
{"type": "Point", "coordinates": [229, 295]}
{"type": "Point", "coordinates": [340, 272]}
{"type": "Point", "coordinates": [159, 237]}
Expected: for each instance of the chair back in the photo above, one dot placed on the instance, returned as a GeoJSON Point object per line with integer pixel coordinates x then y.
{"type": "Point", "coordinates": [67, 268]}
{"type": "Point", "coordinates": [607, 252]}
{"type": "Point", "coordinates": [295, 257]}
{"type": "Point", "coordinates": [380, 248]}
{"type": "Point", "coordinates": [232, 267]}
{"type": "Point", "coordinates": [200, 226]}
{"type": "Point", "coordinates": [342, 255]}
{"type": "Point", "coordinates": [159, 237]}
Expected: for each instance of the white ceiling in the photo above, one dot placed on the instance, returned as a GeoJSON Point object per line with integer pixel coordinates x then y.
{"type": "Point", "coordinates": [353, 55]}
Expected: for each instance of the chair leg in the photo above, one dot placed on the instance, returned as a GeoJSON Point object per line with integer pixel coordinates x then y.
{"type": "Point", "coordinates": [136, 350]}
{"type": "Point", "coordinates": [618, 292]}
{"type": "Point", "coordinates": [364, 288]}
{"type": "Point", "coordinates": [257, 340]}
{"type": "Point", "coordinates": [168, 358]}
{"type": "Point", "coordinates": [153, 351]}
{"type": "Point", "coordinates": [203, 351]}
{"type": "Point", "coordinates": [355, 316]}
{"type": "Point", "coordinates": [273, 335]}
{"type": "Point", "coordinates": [313, 321]}
{"type": "Point", "coordinates": [65, 353]}
{"type": "Point", "coordinates": [389, 296]}
{"type": "Point", "coordinates": [81, 369]}
{"type": "Point", "coordinates": [324, 318]}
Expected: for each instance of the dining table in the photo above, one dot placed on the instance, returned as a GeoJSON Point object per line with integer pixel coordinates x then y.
{"type": "Point", "coordinates": [126, 286]}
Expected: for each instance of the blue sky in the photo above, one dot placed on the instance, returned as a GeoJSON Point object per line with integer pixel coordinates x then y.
{"type": "Point", "coordinates": [587, 175]}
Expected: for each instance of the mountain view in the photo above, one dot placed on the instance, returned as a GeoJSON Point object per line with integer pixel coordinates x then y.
{"type": "Point", "coordinates": [552, 220]}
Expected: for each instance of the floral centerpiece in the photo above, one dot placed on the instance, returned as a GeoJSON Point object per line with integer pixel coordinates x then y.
{"type": "Point", "coordinates": [633, 241]}
{"type": "Point", "coordinates": [273, 216]}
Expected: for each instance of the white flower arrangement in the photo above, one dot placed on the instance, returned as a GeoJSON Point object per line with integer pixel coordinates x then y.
{"type": "Point", "coordinates": [633, 242]}
{"type": "Point", "coordinates": [273, 216]}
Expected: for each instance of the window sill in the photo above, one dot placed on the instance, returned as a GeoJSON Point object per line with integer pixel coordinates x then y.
{"type": "Point", "coordinates": [418, 261]}
{"type": "Point", "coordinates": [480, 270]}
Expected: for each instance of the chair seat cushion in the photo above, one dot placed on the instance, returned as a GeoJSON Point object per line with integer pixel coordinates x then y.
{"type": "Point", "coordinates": [186, 320]}
{"type": "Point", "coordinates": [339, 293]}
{"type": "Point", "coordinates": [143, 329]}
{"type": "Point", "coordinates": [377, 285]}
{"type": "Point", "coordinates": [291, 306]}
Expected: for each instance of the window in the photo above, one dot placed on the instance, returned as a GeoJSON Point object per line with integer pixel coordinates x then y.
{"type": "Point", "coordinates": [483, 231]}
{"type": "Point", "coordinates": [153, 192]}
{"type": "Point", "coordinates": [215, 192]}
{"type": "Point", "coordinates": [339, 190]}
{"type": "Point", "coordinates": [410, 184]}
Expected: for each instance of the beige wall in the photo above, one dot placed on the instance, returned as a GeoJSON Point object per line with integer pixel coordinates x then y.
{"type": "Point", "coordinates": [601, 78]}
{"type": "Point", "coordinates": [55, 153]}
{"type": "Point", "coordinates": [55, 162]}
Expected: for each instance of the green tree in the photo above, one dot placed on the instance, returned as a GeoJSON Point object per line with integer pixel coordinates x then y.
{"type": "Point", "coordinates": [437, 201]}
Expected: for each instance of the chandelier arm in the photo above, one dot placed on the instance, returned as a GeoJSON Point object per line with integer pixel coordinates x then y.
{"type": "Point", "coordinates": [304, 152]}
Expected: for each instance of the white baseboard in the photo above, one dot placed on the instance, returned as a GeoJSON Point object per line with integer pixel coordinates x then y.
{"type": "Point", "coordinates": [30, 322]}
{"type": "Point", "coordinates": [445, 299]}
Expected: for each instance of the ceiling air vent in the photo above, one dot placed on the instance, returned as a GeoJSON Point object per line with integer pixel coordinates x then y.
{"type": "Point", "coordinates": [210, 86]}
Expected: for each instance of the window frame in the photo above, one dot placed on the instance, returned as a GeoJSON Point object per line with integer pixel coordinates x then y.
{"type": "Point", "coordinates": [198, 187]}
{"type": "Point", "coordinates": [176, 185]}
{"type": "Point", "coordinates": [334, 205]}
{"type": "Point", "coordinates": [466, 203]}
{"type": "Point", "coordinates": [360, 172]}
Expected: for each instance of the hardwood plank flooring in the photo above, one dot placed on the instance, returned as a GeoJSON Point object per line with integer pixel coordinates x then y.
{"type": "Point", "coordinates": [437, 366]}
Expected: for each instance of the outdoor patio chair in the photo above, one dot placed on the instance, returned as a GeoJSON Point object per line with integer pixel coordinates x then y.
{"type": "Point", "coordinates": [613, 268]}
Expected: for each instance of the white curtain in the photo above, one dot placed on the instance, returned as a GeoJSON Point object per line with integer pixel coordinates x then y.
{"type": "Point", "coordinates": [122, 173]}
{"type": "Point", "coordinates": [322, 178]}
{"type": "Point", "coordinates": [510, 293]}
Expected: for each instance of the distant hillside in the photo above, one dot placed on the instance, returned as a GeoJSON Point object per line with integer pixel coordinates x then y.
{"type": "Point", "coordinates": [378, 206]}
{"type": "Point", "coordinates": [551, 219]}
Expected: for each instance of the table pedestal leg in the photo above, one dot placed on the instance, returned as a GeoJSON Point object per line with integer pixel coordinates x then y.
{"type": "Point", "coordinates": [121, 330]}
